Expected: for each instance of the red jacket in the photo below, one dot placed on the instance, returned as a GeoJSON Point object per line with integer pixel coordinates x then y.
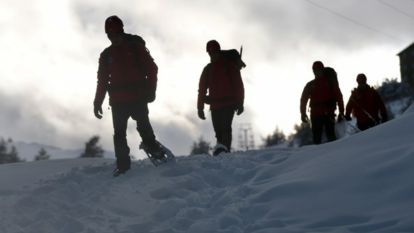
{"type": "Point", "coordinates": [223, 83]}
{"type": "Point", "coordinates": [127, 72]}
{"type": "Point", "coordinates": [366, 105]}
{"type": "Point", "coordinates": [324, 95]}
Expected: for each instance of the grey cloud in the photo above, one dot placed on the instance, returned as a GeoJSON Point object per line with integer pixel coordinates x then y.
{"type": "Point", "coordinates": [41, 120]}
{"type": "Point", "coordinates": [19, 118]}
{"type": "Point", "coordinates": [281, 25]}
{"type": "Point", "coordinates": [350, 27]}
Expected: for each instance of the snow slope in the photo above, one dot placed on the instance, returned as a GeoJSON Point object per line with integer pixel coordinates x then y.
{"type": "Point", "coordinates": [361, 183]}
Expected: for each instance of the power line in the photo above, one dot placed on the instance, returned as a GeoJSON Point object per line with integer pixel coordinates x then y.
{"type": "Point", "coordinates": [353, 21]}
{"type": "Point", "coordinates": [395, 9]}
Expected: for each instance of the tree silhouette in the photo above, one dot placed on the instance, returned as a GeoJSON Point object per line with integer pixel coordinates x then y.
{"type": "Point", "coordinates": [92, 149]}
{"type": "Point", "coordinates": [200, 147]}
{"type": "Point", "coordinates": [8, 155]}
{"type": "Point", "coordinates": [276, 138]}
{"type": "Point", "coordinates": [302, 136]}
{"type": "Point", "coordinates": [42, 155]}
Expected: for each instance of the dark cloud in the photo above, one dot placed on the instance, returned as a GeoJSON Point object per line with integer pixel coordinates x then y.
{"type": "Point", "coordinates": [42, 120]}
{"type": "Point", "coordinates": [340, 25]}
{"type": "Point", "coordinates": [21, 119]}
{"type": "Point", "coordinates": [271, 28]}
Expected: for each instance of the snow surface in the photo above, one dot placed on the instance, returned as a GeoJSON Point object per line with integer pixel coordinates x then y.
{"type": "Point", "coordinates": [361, 183]}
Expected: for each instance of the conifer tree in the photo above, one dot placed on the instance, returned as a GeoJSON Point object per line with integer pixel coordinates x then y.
{"type": "Point", "coordinates": [276, 138]}
{"type": "Point", "coordinates": [42, 155]}
{"type": "Point", "coordinates": [200, 147]}
{"type": "Point", "coordinates": [302, 136]}
{"type": "Point", "coordinates": [92, 149]}
{"type": "Point", "coordinates": [8, 155]}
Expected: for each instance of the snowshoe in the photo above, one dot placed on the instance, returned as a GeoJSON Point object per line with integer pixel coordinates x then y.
{"type": "Point", "coordinates": [157, 154]}
{"type": "Point", "coordinates": [219, 149]}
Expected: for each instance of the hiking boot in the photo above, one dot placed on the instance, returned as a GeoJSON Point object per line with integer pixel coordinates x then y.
{"type": "Point", "coordinates": [220, 148]}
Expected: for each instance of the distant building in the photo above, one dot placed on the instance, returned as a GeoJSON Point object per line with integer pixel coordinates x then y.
{"type": "Point", "coordinates": [407, 65]}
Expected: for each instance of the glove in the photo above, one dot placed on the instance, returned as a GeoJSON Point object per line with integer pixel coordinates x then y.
{"type": "Point", "coordinates": [304, 118]}
{"type": "Point", "coordinates": [240, 110]}
{"type": "Point", "coordinates": [97, 110]}
{"type": "Point", "coordinates": [201, 115]}
{"type": "Point", "coordinates": [348, 118]}
{"type": "Point", "coordinates": [340, 117]}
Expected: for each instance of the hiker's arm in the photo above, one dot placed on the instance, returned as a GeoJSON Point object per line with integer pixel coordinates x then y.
{"type": "Point", "coordinates": [304, 98]}
{"type": "Point", "coordinates": [340, 100]}
{"type": "Point", "coordinates": [151, 69]}
{"type": "Point", "coordinates": [383, 110]}
{"type": "Point", "coordinates": [202, 89]}
{"type": "Point", "coordinates": [102, 84]}
{"type": "Point", "coordinates": [349, 106]}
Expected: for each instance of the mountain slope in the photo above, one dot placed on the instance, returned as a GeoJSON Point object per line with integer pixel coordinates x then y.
{"type": "Point", "coordinates": [358, 184]}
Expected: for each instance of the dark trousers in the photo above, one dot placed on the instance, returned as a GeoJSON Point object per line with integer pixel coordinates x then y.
{"type": "Point", "coordinates": [120, 115]}
{"type": "Point", "coordinates": [319, 123]}
{"type": "Point", "coordinates": [222, 120]}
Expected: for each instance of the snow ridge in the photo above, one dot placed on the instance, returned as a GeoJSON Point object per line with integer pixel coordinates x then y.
{"type": "Point", "coordinates": [357, 184]}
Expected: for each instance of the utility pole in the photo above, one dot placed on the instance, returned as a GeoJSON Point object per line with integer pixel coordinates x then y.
{"type": "Point", "coordinates": [246, 137]}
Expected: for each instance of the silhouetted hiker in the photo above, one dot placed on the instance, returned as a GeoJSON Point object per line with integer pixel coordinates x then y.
{"type": "Point", "coordinates": [366, 105]}
{"type": "Point", "coordinates": [222, 81]}
{"type": "Point", "coordinates": [324, 94]}
{"type": "Point", "coordinates": [129, 74]}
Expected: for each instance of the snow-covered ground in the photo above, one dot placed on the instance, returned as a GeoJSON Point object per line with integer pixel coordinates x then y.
{"type": "Point", "coordinates": [361, 183]}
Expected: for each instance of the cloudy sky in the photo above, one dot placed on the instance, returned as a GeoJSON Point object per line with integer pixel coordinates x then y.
{"type": "Point", "coordinates": [50, 51]}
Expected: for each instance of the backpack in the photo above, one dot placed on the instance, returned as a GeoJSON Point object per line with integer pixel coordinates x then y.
{"type": "Point", "coordinates": [323, 91]}
{"type": "Point", "coordinates": [233, 56]}
{"type": "Point", "coordinates": [332, 76]}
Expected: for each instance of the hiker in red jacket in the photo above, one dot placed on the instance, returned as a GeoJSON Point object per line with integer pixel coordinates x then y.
{"type": "Point", "coordinates": [324, 94]}
{"type": "Point", "coordinates": [366, 105]}
{"type": "Point", "coordinates": [222, 81]}
{"type": "Point", "coordinates": [129, 74]}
